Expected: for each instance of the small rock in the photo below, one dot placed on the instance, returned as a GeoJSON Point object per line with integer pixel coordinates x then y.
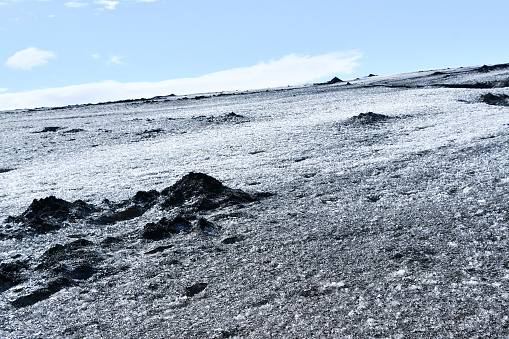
{"type": "Point", "coordinates": [232, 240]}
{"type": "Point", "coordinates": [195, 289]}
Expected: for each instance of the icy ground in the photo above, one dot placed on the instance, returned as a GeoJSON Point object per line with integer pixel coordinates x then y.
{"type": "Point", "coordinates": [326, 221]}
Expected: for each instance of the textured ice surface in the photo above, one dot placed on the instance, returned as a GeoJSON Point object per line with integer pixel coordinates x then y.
{"type": "Point", "coordinates": [396, 228]}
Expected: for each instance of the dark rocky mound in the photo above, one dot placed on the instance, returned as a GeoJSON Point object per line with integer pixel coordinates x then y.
{"type": "Point", "coordinates": [495, 99]}
{"type": "Point", "coordinates": [333, 81]}
{"type": "Point", "coordinates": [231, 117]}
{"type": "Point", "coordinates": [165, 227]}
{"type": "Point", "coordinates": [48, 214]}
{"type": "Point", "coordinates": [368, 118]}
{"type": "Point", "coordinates": [75, 260]}
{"type": "Point", "coordinates": [200, 192]}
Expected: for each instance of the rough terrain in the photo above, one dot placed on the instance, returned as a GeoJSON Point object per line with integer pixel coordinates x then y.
{"type": "Point", "coordinates": [372, 207]}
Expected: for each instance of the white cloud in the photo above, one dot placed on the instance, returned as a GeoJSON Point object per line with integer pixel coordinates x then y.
{"type": "Point", "coordinates": [289, 70]}
{"type": "Point", "coordinates": [28, 58]}
{"type": "Point", "coordinates": [115, 60]}
{"type": "Point", "coordinates": [3, 89]}
{"type": "Point", "coordinates": [75, 4]}
{"type": "Point", "coordinates": [107, 4]}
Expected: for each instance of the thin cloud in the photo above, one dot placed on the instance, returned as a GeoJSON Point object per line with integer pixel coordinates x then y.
{"type": "Point", "coordinates": [289, 70]}
{"type": "Point", "coordinates": [107, 4]}
{"type": "Point", "coordinates": [115, 60]}
{"type": "Point", "coordinates": [29, 58]}
{"type": "Point", "coordinates": [75, 4]}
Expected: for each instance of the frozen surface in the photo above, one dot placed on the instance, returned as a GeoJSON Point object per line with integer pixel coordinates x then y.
{"type": "Point", "coordinates": [390, 228]}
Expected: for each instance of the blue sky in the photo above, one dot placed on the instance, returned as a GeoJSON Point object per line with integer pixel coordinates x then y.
{"type": "Point", "coordinates": [68, 52]}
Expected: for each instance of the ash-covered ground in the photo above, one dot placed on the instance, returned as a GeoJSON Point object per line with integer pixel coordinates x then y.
{"type": "Point", "coordinates": [374, 207]}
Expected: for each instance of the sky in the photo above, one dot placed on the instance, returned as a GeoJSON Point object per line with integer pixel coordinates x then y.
{"type": "Point", "coordinates": [55, 53]}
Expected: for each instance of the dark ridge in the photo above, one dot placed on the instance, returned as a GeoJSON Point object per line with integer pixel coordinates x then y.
{"type": "Point", "coordinates": [42, 293]}
{"type": "Point", "coordinates": [495, 99]}
{"type": "Point", "coordinates": [165, 228]}
{"type": "Point", "coordinates": [478, 85]}
{"type": "Point", "coordinates": [486, 69]}
{"type": "Point", "coordinates": [159, 249]}
{"type": "Point", "coordinates": [74, 130]}
{"type": "Point", "coordinates": [126, 214]}
{"type": "Point", "coordinates": [199, 191]}
{"type": "Point", "coordinates": [198, 97]}
{"type": "Point", "coordinates": [49, 129]}
{"type": "Point", "coordinates": [5, 170]}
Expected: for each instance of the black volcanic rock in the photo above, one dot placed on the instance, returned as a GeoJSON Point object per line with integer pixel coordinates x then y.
{"type": "Point", "coordinates": [48, 214]}
{"type": "Point", "coordinates": [75, 260]}
{"type": "Point", "coordinates": [165, 227]}
{"type": "Point", "coordinates": [195, 289]}
{"type": "Point", "coordinates": [201, 192]}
